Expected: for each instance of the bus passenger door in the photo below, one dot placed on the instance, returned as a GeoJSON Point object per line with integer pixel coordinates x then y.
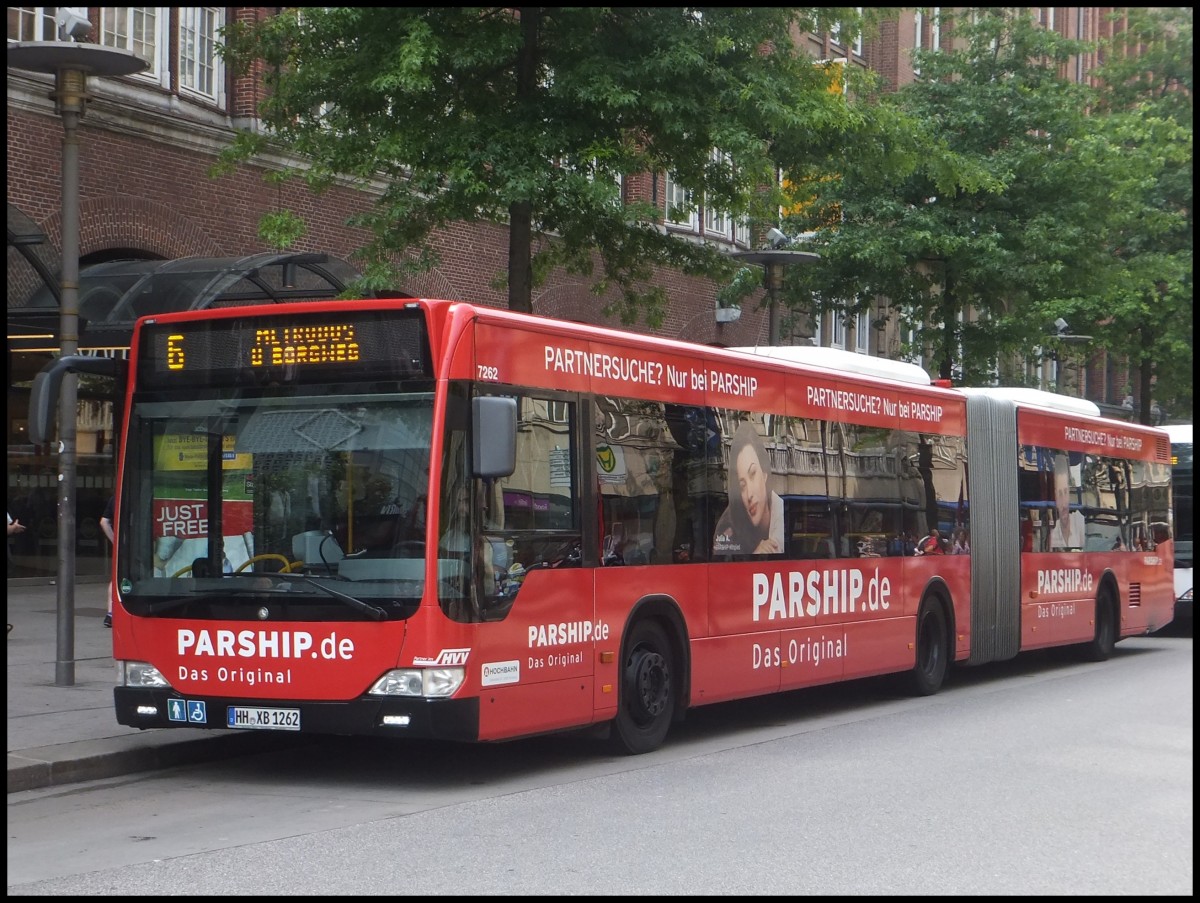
{"type": "Point", "coordinates": [537, 632]}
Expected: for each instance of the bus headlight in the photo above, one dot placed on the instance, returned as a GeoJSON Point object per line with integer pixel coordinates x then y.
{"type": "Point", "coordinates": [428, 682]}
{"type": "Point", "coordinates": [139, 674]}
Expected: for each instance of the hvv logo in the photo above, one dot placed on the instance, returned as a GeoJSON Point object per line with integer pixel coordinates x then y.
{"type": "Point", "coordinates": [445, 657]}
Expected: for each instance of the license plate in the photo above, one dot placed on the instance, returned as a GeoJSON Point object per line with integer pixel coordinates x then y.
{"type": "Point", "coordinates": [263, 719]}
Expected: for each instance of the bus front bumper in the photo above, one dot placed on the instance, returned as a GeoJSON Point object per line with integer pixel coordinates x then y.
{"type": "Point", "coordinates": [436, 719]}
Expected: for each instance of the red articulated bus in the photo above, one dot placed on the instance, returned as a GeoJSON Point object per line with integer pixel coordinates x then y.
{"type": "Point", "coordinates": [421, 518]}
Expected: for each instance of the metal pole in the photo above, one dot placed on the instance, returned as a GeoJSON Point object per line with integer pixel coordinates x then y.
{"type": "Point", "coordinates": [70, 95]}
{"type": "Point", "coordinates": [773, 272]}
{"type": "Point", "coordinates": [772, 319]}
{"type": "Point", "coordinates": [70, 62]}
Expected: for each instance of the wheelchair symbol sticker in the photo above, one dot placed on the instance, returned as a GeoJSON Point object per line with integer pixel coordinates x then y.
{"type": "Point", "coordinates": [195, 712]}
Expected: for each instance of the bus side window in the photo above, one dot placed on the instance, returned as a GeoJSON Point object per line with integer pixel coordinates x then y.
{"type": "Point", "coordinates": [531, 517]}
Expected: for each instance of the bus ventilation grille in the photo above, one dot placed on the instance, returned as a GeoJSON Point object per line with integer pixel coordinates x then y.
{"type": "Point", "coordinates": [1162, 448]}
{"type": "Point", "coordinates": [1135, 595]}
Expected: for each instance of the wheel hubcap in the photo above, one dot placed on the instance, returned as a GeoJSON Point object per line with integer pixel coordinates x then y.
{"type": "Point", "coordinates": [651, 684]}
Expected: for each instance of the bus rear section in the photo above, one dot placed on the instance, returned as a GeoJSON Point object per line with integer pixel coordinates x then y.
{"type": "Point", "coordinates": [1184, 517]}
{"type": "Point", "coordinates": [1082, 542]}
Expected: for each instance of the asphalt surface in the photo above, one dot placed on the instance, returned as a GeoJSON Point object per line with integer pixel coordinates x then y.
{"type": "Point", "coordinates": [66, 734]}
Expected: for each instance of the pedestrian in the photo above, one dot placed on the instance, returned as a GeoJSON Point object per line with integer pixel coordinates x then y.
{"type": "Point", "coordinates": [14, 527]}
{"type": "Point", "coordinates": [931, 544]}
{"type": "Point", "coordinates": [962, 542]}
{"type": "Point", "coordinates": [106, 524]}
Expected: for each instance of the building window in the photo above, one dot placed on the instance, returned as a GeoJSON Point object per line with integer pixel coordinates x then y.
{"type": "Point", "coordinates": [928, 32]}
{"type": "Point", "coordinates": [142, 31]}
{"type": "Point", "coordinates": [855, 44]}
{"type": "Point", "coordinates": [199, 71]}
{"type": "Point", "coordinates": [145, 30]}
{"type": "Point", "coordinates": [910, 350]}
{"type": "Point", "coordinates": [862, 332]}
{"type": "Point", "coordinates": [837, 330]}
{"type": "Point", "coordinates": [679, 200]}
{"type": "Point", "coordinates": [32, 23]}
{"type": "Point", "coordinates": [718, 223]}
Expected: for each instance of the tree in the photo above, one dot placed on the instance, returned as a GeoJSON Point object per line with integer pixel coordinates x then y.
{"type": "Point", "coordinates": [530, 116]}
{"type": "Point", "coordinates": [1145, 108]}
{"type": "Point", "coordinates": [994, 219]}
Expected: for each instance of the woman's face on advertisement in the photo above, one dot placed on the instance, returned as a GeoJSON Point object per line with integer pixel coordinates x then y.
{"type": "Point", "coordinates": [752, 480]}
{"type": "Point", "coordinates": [1062, 492]}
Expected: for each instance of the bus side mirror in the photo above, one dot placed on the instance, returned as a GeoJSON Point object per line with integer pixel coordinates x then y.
{"type": "Point", "coordinates": [494, 435]}
{"type": "Point", "coordinates": [47, 385]}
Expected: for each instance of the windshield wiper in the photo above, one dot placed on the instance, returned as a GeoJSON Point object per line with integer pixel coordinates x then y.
{"type": "Point", "coordinates": [173, 602]}
{"type": "Point", "coordinates": [157, 608]}
{"type": "Point", "coordinates": [374, 612]}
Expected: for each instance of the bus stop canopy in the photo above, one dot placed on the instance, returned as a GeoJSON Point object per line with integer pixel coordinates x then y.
{"type": "Point", "coordinates": [112, 295]}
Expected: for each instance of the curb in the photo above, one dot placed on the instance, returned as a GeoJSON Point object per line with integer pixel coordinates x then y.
{"type": "Point", "coordinates": [90, 760]}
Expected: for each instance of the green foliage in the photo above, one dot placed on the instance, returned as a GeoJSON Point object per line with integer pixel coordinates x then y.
{"type": "Point", "coordinates": [281, 229]}
{"type": "Point", "coordinates": [744, 283]}
{"type": "Point", "coordinates": [1146, 309]}
{"type": "Point", "coordinates": [990, 210]}
{"type": "Point", "coordinates": [531, 116]}
{"type": "Point", "coordinates": [1022, 197]}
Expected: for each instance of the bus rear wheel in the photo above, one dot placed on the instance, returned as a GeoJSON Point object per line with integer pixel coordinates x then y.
{"type": "Point", "coordinates": [933, 650]}
{"type": "Point", "coordinates": [646, 700]}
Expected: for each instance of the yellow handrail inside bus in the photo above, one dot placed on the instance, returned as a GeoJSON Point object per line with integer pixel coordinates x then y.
{"type": "Point", "coordinates": [288, 566]}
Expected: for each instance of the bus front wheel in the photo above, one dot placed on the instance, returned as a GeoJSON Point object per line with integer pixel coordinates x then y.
{"type": "Point", "coordinates": [933, 650]}
{"type": "Point", "coordinates": [1105, 639]}
{"type": "Point", "coordinates": [646, 701]}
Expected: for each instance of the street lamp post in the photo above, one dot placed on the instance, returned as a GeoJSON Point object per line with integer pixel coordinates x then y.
{"type": "Point", "coordinates": [70, 63]}
{"type": "Point", "coordinates": [1065, 338]}
{"type": "Point", "coordinates": [773, 261]}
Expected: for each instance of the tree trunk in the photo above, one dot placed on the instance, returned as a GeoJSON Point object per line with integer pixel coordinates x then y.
{"type": "Point", "coordinates": [1146, 392]}
{"type": "Point", "coordinates": [520, 212]}
{"type": "Point", "coordinates": [520, 266]}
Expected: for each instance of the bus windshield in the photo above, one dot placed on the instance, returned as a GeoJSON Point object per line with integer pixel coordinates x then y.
{"type": "Point", "coordinates": [298, 496]}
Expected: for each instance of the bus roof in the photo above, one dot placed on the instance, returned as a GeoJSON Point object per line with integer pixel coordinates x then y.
{"type": "Point", "coordinates": [1037, 398]}
{"type": "Point", "coordinates": [839, 359]}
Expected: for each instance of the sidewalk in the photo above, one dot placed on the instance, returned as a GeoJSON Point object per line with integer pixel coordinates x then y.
{"type": "Point", "coordinates": [62, 735]}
